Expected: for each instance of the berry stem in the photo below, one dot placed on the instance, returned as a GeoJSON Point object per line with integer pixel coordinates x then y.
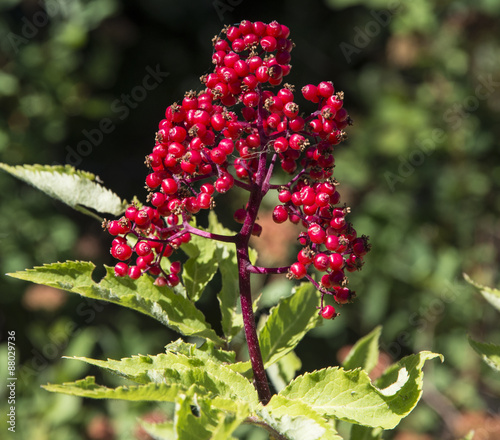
{"type": "Point", "coordinates": [256, 195]}
{"type": "Point", "coordinates": [268, 270]}
{"type": "Point", "coordinates": [206, 234]}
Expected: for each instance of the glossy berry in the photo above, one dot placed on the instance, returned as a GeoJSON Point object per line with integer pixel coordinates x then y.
{"type": "Point", "coordinates": [328, 312]}
{"type": "Point", "coordinates": [243, 129]}
{"type": "Point", "coordinates": [280, 214]}
{"type": "Point", "coordinates": [298, 270]}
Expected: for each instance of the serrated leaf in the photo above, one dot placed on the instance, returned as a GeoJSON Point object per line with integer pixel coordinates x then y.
{"type": "Point", "coordinates": [283, 371]}
{"type": "Point", "coordinates": [207, 422]}
{"type": "Point", "coordinates": [142, 295]}
{"type": "Point", "coordinates": [77, 189]}
{"type": "Point", "coordinates": [288, 322]}
{"type": "Point", "coordinates": [296, 420]}
{"type": "Point", "coordinates": [364, 354]}
{"type": "Point", "coordinates": [491, 295]}
{"type": "Point", "coordinates": [490, 353]}
{"type": "Point", "coordinates": [201, 266]}
{"type": "Point", "coordinates": [213, 378]}
{"type": "Point", "coordinates": [207, 350]}
{"type": "Point", "coordinates": [350, 395]}
{"type": "Point", "coordinates": [88, 388]}
{"type": "Point", "coordinates": [159, 431]}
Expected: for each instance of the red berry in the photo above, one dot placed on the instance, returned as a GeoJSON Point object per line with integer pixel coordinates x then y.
{"type": "Point", "coordinates": [332, 242]}
{"type": "Point", "coordinates": [142, 248]}
{"type": "Point", "coordinates": [240, 215]}
{"type": "Point", "coordinates": [316, 233]}
{"type": "Point", "coordinates": [310, 92]}
{"type": "Point", "coordinates": [280, 214]}
{"type": "Point", "coordinates": [269, 43]}
{"type": "Point", "coordinates": [298, 270]}
{"type": "Point", "coordinates": [121, 269]}
{"type": "Point", "coordinates": [336, 261]}
{"type": "Point", "coordinates": [321, 262]}
{"type": "Point", "coordinates": [326, 89]}
{"type": "Point", "coordinates": [175, 267]}
{"type": "Point", "coordinates": [328, 312]}
{"type": "Point", "coordinates": [114, 227]}
{"type": "Point", "coordinates": [284, 196]}
{"type": "Point", "coordinates": [134, 272]}
{"type": "Point", "coordinates": [169, 186]}
{"type": "Point", "coordinates": [121, 252]}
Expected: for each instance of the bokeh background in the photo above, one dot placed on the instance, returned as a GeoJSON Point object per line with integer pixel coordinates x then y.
{"type": "Point", "coordinates": [420, 170]}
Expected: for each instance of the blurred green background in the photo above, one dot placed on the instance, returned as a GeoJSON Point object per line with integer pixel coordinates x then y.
{"type": "Point", "coordinates": [421, 171]}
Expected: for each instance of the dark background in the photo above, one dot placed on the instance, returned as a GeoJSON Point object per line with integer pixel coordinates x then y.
{"type": "Point", "coordinates": [420, 170]}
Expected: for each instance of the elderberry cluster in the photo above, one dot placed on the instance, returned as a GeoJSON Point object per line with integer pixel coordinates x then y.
{"type": "Point", "coordinates": [216, 138]}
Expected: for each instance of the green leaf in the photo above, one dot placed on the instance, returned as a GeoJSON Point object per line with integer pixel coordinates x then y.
{"type": "Point", "coordinates": [490, 353]}
{"type": "Point", "coordinates": [296, 420]}
{"type": "Point", "coordinates": [78, 189]}
{"type": "Point", "coordinates": [212, 378]}
{"type": "Point", "coordinates": [350, 396]}
{"type": "Point", "coordinates": [206, 351]}
{"type": "Point", "coordinates": [159, 302]}
{"type": "Point", "coordinates": [200, 268]}
{"type": "Point", "coordinates": [88, 388]}
{"type": "Point", "coordinates": [288, 322]}
{"type": "Point", "coordinates": [208, 423]}
{"type": "Point", "coordinates": [490, 294]}
{"type": "Point", "coordinates": [364, 354]}
{"type": "Point", "coordinates": [284, 371]}
{"type": "Point", "coordinates": [159, 431]}
{"type": "Point", "coordinates": [229, 297]}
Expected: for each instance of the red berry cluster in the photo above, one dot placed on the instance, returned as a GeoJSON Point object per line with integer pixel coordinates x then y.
{"type": "Point", "coordinates": [330, 244]}
{"type": "Point", "coordinates": [217, 138]}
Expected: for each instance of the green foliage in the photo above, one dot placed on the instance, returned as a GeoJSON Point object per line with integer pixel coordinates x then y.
{"type": "Point", "coordinates": [490, 353]}
{"type": "Point", "coordinates": [78, 189]}
{"type": "Point", "coordinates": [288, 323]}
{"type": "Point", "coordinates": [209, 380]}
{"type": "Point", "coordinates": [350, 395]}
{"type": "Point", "coordinates": [161, 303]}
{"type": "Point", "coordinates": [417, 74]}
{"type": "Point", "coordinates": [365, 353]}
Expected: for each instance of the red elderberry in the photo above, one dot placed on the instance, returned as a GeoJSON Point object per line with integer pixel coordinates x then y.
{"type": "Point", "coordinates": [235, 132]}
{"type": "Point", "coordinates": [328, 312]}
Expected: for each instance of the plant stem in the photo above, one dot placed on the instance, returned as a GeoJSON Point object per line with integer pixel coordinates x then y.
{"type": "Point", "coordinates": [259, 373]}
